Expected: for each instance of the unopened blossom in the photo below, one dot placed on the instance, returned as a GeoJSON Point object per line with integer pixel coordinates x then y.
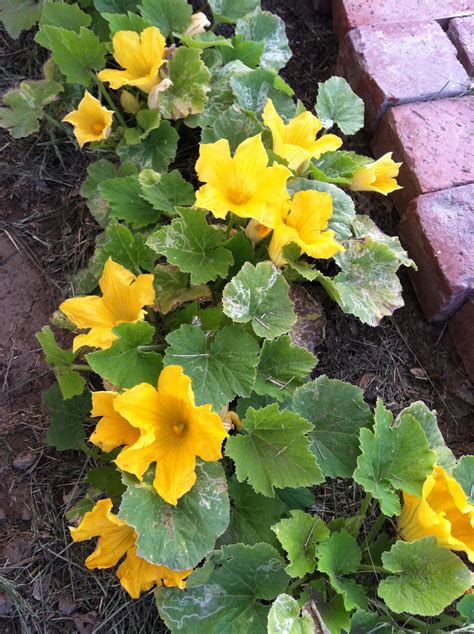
{"type": "Point", "coordinates": [91, 121]}
{"type": "Point", "coordinates": [378, 176]}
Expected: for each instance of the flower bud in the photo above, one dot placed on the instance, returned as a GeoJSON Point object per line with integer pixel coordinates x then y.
{"type": "Point", "coordinates": [154, 96]}
{"type": "Point", "coordinates": [199, 23]}
{"type": "Point", "coordinates": [129, 102]}
{"type": "Point", "coordinates": [256, 232]}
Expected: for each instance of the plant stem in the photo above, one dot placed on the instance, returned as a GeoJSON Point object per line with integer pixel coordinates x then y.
{"type": "Point", "coordinates": [371, 568]}
{"type": "Point", "coordinates": [80, 367]}
{"type": "Point", "coordinates": [53, 122]}
{"type": "Point", "coordinates": [363, 510]}
{"type": "Point", "coordinates": [151, 348]}
{"type": "Point", "coordinates": [104, 92]}
{"type": "Point", "coordinates": [379, 522]}
{"type": "Point", "coordinates": [230, 225]}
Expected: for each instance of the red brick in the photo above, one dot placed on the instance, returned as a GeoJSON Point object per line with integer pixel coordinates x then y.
{"type": "Point", "coordinates": [392, 64]}
{"type": "Point", "coordinates": [461, 32]}
{"type": "Point", "coordinates": [349, 14]}
{"type": "Point", "coordinates": [434, 141]}
{"type": "Point", "coordinates": [438, 233]}
{"type": "Point", "coordinates": [461, 328]}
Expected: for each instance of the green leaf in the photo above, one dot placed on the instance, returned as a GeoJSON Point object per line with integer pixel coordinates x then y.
{"type": "Point", "coordinates": [232, 10]}
{"type": "Point", "coordinates": [300, 535]}
{"type": "Point", "coordinates": [106, 479]}
{"type": "Point", "coordinates": [219, 98]}
{"type": "Point", "coordinates": [70, 382]}
{"type": "Point", "coordinates": [19, 15]}
{"type": "Point", "coordinates": [465, 607]}
{"type": "Point", "coordinates": [66, 16]}
{"type": "Point", "coordinates": [125, 248]}
{"type": "Point", "coordinates": [337, 412]}
{"type": "Point", "coordinates": [266, 27]}
{"type": "Point", "coordinates": [173, 288]}
{"type": "Point", "coordinates": [233, 125]}
{"type": "Point", "coordinates": [205, 40]}
{"type": "Point", "coordinates": [252, 515]}
{"type": "Point", "coordinates": [25, 106]}
{"type": "Point", "coordinates": [98, 172]}
{"type": "Point", "coordinates": [178, 536]}
{"type": "Point", "coordinates": [188, 92]}
{"type": "Point", "coordinates": [226, 595]}
{"type": "Point", "coordinates": [427, 420]}
{"type": "Point", "coordinates": [259, 294]}
{"type": "Point", "coordinates": [427, 577]}
{"type": "Point", "coordinates": [221, 368]}
{"type": "Point", "coordinates": [115, 6]}
{"type": "Point", "coordinates": [168, 15]}
{"type": "Point", "coordinates": [463, 472]}
{"type": "Point", "coordinates": [363, 622]}
{"type": "Point", "coordinates": [338, 104]}
{"type": "Point", "coordinates": [340, 555]}
{"type": "Point", "coordinates": [273, 451]}
{"type": "Point", "coordinates": [193, 245]}
{"type": "Point", "coordinates": [76, 54]}
{"type": "Point", "coordinates": [157, 151]}
{"type": "Point", "coordinates": [148, 120]}
{"type": "Point", "coordinates": [282, 368]}
{"type": "Point", "coordinates": [393, 458]}
{"type": "Point", "coordinates": [330, 608]}
{"type": "Point", "coordinates": [300, 498]}
{"type": "Point", "coordinates": [165, 191]}
{"type": "Point", "coordinates": [363, 226]}
{"type": "Point", "coordinates": [284, 617]}
{"type": "Point", "coordinates": [125, 22]}
{"type": "Point", "coordinates": [124, 364]}
{"type": "Point", "coordinates": [252, 91]}
{"type": "Point", "coordinates": [343, 211]}
{"type": "Point", "coordinates": [248, 52]}
{"type": "Point", "coordinates": [337, 167]}
{"type": "Point", "coordinates": [66, 429]}
{"type": "Point", "coordinates": [367, 286]}
{"type": "Point", "coordinates": [124, 197]}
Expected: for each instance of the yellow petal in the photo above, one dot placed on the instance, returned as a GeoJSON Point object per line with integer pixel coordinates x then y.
{"type": "Point", "coordinates": [125, 294]}
{"type": "Point", "coordinates": [115, 537]}
{"type": "Point", "coordinates": [214, 162]}
{"type": "Point", "coordinates": [153, 46]}
{"type": "Point", "coordinates": [137, 458]}
{"type": "Point", "coordinates": [96, 338]}
{"type": "Point", "coordinates": [213, 199]}
{"type": "Point", "coordinates": [281, 236]}
{"type": "Point", "coordinates": [138, 575]}
{"type": "Point", "coordinates": [91, 120]}
{"type": "Point", "coordinates": [129, 54]}
{"type": "Point", "coordinates": [302, 130]}
{"type": "Point", "coordinates": [117, 78]}
{"type": "Point", "coordinates": [378, 176]}
{"type": "Point", "coordinates": [140, 406]}
{"type": "Point", "coordinates": [310, 213]}
{"type": "Point", "coordinates": [326, 143]}
{"type": "Point", "coordinates": [175, 471]}
{"type": "Point", "coordinates": [323, 246]}
{"type": "Point", "coordinates": [112, 430]}
{"type": "Point", "coordinates": [272, 120]}
{"type": "Point", "coordinates": [87, 312]}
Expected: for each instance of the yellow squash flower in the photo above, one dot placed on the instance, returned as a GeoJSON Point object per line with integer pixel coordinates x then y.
{"type": "Point", "coordinates": [91, 121]}
{"type": "Point", "coordinates": [112, 430]}
{"type": "Point", "coordinates": [305, 222]}
{"type": "Point", "coordinates": [140, 55]}
{"type": "Point", "coordinates": [296, 141]}
{"type": "Point", "coordinates": [443, 511]}
{"type": "Point", "coordinates": [174, 431]}
{"type": "Point", "coordinates": [123, 299]}
{"type": "Point", "coordinates": [117, 539]}
{"type": "Point", "coordinates": [378, 176]}
{"type": "Point", "coordinates": [242, 184]}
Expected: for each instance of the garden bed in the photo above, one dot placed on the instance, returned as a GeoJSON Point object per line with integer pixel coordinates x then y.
{"type": "Point", "coordinates": [46, 236]}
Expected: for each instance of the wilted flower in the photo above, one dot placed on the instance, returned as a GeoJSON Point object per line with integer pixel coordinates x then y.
{"type": "Point", "coordinates": [199, 23]}
{"type": "Point", "coordinates": [442, 511]}
{"type": "Point", "coordinates": [378, 176]}
{"type": "Point", "coordinates": [140, 55]}
{"type": "Point", "coordinates": [123, 299]}
{"type": "Point", "coordinates": [154, 96]}
{"type": "Point", "coordinates": [117, 539]}
{"type": "Point", "coordinates": [91, 121]}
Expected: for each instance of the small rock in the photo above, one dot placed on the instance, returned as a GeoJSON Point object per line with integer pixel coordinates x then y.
{"type": "Point", "coordinates": [23, 461]}
{"type": "Point", "coordinates": [66, 606]}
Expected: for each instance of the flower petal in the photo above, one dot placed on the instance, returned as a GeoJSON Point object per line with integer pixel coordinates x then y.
{"type": "Point", "coordinates": [214, 162]}
{"type": "Point", "coordinates": [112, 430]}
{"type": "Point", "coordinates": [87, 312]}
{"type": "Point", "coordinates": [124, 293]}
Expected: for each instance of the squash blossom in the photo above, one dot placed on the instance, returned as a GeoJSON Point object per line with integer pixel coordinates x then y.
{"type": "Point", "coordinates": [140, 55]}
{"type": "Point", "coordinates": [242, 184]}
{"type": "Point", "coordinates": [378, 176]}
{"type": "Point", "coordinates": [173, 432]}
{"type": "Point", "coordinates": [91, 121]}
{"type": "Point", "coordinates": [443, 511]}
{"type": "Point", "coordinates": [112, 430]}
{"type": "Point", "coordinates": [296, 141]}
{"type": "Point", "coordinates": [305, 222]}
{"type": "Point", "coordinates": [117, 539]}
{"type": "Point", "coordinates": [123, 297]}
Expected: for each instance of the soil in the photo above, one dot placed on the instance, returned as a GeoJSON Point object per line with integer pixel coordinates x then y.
{"type": "Point", "coordinates": [46, 235]}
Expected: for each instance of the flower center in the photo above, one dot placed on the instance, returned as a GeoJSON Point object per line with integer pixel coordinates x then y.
{"type": "Point", "coordinates": [238, 196]}
{"type": "Point", "coordinates": [98, 127]}
{"type": "Point", "coordinates": [179, 428]}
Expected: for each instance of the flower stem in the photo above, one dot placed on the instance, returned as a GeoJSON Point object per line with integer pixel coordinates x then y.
{"type": "Point", "coordinates": [80, 367]}
{"type": "Point", "coordinates": [363, 510]}
{"type": "Point", "coordinates": [104, 92]}
{"type": "Point", "coordinates": [230, 225]}
{"type": "Point", "coordinates": [379, 522]}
